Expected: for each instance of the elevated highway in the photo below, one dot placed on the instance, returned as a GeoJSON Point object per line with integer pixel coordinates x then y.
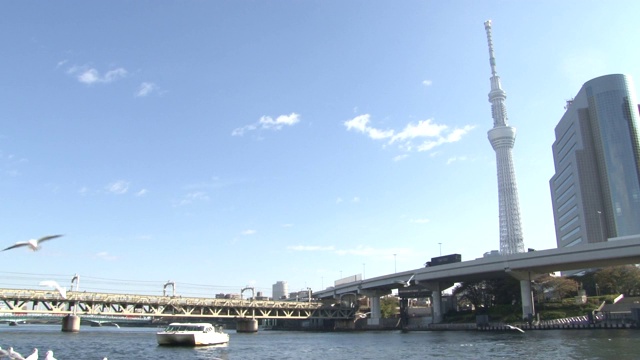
{"type": "Point", "coordinates": [522, 266]}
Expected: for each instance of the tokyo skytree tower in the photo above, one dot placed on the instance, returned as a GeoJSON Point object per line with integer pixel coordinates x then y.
{"type": "Point", "coordinates": [502, 137]}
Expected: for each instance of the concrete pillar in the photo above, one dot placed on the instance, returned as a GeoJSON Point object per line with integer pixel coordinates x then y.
{"type": "Point", "coordinates": [246, 325]}
{"type": "Point", "coordinates": [526, 295]}
{"type": "Point", "coordinates": [374, 303]}
{"type": "Point", "coordinates": [436, 303]}
{"type": "Point", "coordinates": [375, 307]}
{"type": "Point", "coordinates": [527, 300]}
{"type": "Point", "coordinates": [71, 323]}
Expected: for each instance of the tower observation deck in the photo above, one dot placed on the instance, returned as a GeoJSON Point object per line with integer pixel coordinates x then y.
{"type": "Point", "coordinates": [502, 138]}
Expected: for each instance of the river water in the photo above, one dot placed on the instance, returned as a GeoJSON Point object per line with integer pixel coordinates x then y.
{"type": "Point", "coordinates": [140, 344]}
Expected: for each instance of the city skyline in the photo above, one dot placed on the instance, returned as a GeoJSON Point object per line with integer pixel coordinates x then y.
{"type": "Point", "coordinates": [220, 145]}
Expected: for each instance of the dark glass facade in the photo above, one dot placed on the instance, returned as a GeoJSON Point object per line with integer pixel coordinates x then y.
{"type": "Point", "coordinates": [596, 188]}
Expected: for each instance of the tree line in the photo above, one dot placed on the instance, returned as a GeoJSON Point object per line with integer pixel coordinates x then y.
{"type": "Point", "coordinates": [615, 280]}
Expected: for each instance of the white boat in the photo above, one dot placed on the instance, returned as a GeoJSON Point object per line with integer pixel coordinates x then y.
{"type": "Point", "coordinates": [192, 334]}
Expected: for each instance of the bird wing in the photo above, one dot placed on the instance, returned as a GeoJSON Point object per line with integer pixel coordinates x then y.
{"type": "Point", "coordinates": [53, 284]}
{"type": "Point", "coordinates": [15, 355]}
{"type": "Point", "coordinates": [18, 244]}
{"type": "Point", "coordinates": [33, 356]}
{"type": "Point", "coordinates": [48, 237]}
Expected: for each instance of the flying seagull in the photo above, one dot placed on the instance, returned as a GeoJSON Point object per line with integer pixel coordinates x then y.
{"type": "Point", "coordinates": [49, 356]}
{"type": "Point", "coordinates": [33, 244]}
{"type": "Point", "coordinates": [53, 284]}
{"type": "Point", "coordinates": [406, 283]}
{"type": "Point", "coordinates": [514, 328]}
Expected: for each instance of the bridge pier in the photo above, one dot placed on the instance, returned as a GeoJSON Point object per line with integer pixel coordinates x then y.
{"type": "Point", "coordinates": [525, 277]}
{"type": "Point", "coordinates": [71, 323]}
{"type": "Point", "coordinates": [246, 325]}
{"type": "Point", "coordinates": [374, 303]}
{"type": "Point", "coordinates": [436, 300]}
{"type": "Point", "coordinates": [527, 300]}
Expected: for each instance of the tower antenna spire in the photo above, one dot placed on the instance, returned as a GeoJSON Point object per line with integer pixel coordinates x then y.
{"type": "Point", "coordinates": [492, 58]}
{"type": "Point", "coordinates": [502, 138]}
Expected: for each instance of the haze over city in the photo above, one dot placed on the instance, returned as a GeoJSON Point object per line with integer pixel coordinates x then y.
{"type": "Point", "coordinates": [238, 143]}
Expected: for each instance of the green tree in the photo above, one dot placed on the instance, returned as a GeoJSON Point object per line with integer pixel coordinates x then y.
{"type": "Point", "coordinates": [487, 293]}
{"type": "Point", "coordinates": [474, 292]}
{"type": "Point", "coordinates": [618, 280]}
{"type": "Point", "coordinates": [560, 287]}
{"type": "Point", "coordinates": [389, 306]}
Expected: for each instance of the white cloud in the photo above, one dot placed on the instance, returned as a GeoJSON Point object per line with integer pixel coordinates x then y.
{"type": "Point", "coordinates": [145, 89]}
{"type": "Point", "coordinates": [400, 157]}
{"type": "Point", "coordinates": [268, 123]}
{"type": "Point", "coordinates": [88, 75]}
{"type": "Point", "coordinates": [142, 192]}
{"type": "Point", "coordinates": [106, 256]}
{"type": "Point", "coordinates": [362, 250]}
{"type": "Point", "coordinates": [192, 197]}
{"type": "Point", "coordinates": [119, 187]}
{"type": "Point", "coordinates": [421, 136]}
{"type": "Point", "coordinates": [310, 248]}
{"type": "Point", "coordinates": [427, 82]}
{"type": "Point", "coordinates": [451, 160]}
{"type": "Point", "coordinates": [249, 232]}
{"type": "Point", "coordinates": [424, 128]}
{"type": "Point", "coordinates": [359, 250]}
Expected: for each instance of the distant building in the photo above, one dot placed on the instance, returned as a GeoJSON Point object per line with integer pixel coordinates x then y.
{"type": "Point", "coordinates": [280, 290]}
{"type": "Point", "coordinates": [595, 191]}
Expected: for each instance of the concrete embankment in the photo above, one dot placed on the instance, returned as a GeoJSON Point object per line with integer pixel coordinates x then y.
{"type": "Point", "coordinates": [524, 327]}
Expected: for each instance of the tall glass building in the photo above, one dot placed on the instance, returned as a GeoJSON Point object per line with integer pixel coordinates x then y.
{"type": "Point", "coordinates": [595, 191]}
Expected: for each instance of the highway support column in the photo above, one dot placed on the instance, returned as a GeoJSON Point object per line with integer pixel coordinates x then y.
{"type": "Point", "coordinates": [374, 303]}
{"type": "Point", "coordinates": [436, 300]}
{"type": "Point", "coordinates": [525, 277]}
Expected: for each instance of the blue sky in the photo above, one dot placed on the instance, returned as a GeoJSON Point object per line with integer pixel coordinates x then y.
{"type": "Point", "coordinates": [224, 144]}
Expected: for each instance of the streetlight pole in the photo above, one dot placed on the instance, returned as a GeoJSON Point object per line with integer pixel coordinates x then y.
{"type": "Point", "coordinates": [363, 271]}
{"type": "Point", "coordinates": [440, 248]}
{"type": "Point", "coordinates": [601, 226]}
{"type": "Point", "coordinates": [395, 268]}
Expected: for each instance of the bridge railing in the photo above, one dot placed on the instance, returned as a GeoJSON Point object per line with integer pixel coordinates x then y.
{"type": "Point", "coordinates": [93, 303]}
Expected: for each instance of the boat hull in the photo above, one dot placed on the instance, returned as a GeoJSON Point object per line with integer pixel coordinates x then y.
{"type": "Point", "coordinates": [190, 334]}
{"type": "Point", "coordinates": [177, 339]}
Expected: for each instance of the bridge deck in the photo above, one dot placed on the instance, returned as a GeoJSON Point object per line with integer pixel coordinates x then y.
{"type": "Point", "coordinates": [21, 301]}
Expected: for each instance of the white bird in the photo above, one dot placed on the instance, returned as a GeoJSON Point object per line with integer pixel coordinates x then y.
{"type": "Point", "coordinates": [49, 356]}
{"type": "Point", "coordinates": [33, 356]}
{"type": "Point", "coordinates": [15, 355]}
{"type": "Point", "coordinates": [406, 283]}
{"type": "Point", "coordinates": [33, 244]}
{"type": "Point", "coordinates": [515, 328]}
{"type": "Point", "coordinates": [53, 284]}
{"type": "Point", "coordinates": [3, 353]}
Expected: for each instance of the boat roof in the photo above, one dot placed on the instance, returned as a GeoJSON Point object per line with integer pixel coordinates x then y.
{"type": "Point", "coordinates": [190, 324]}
